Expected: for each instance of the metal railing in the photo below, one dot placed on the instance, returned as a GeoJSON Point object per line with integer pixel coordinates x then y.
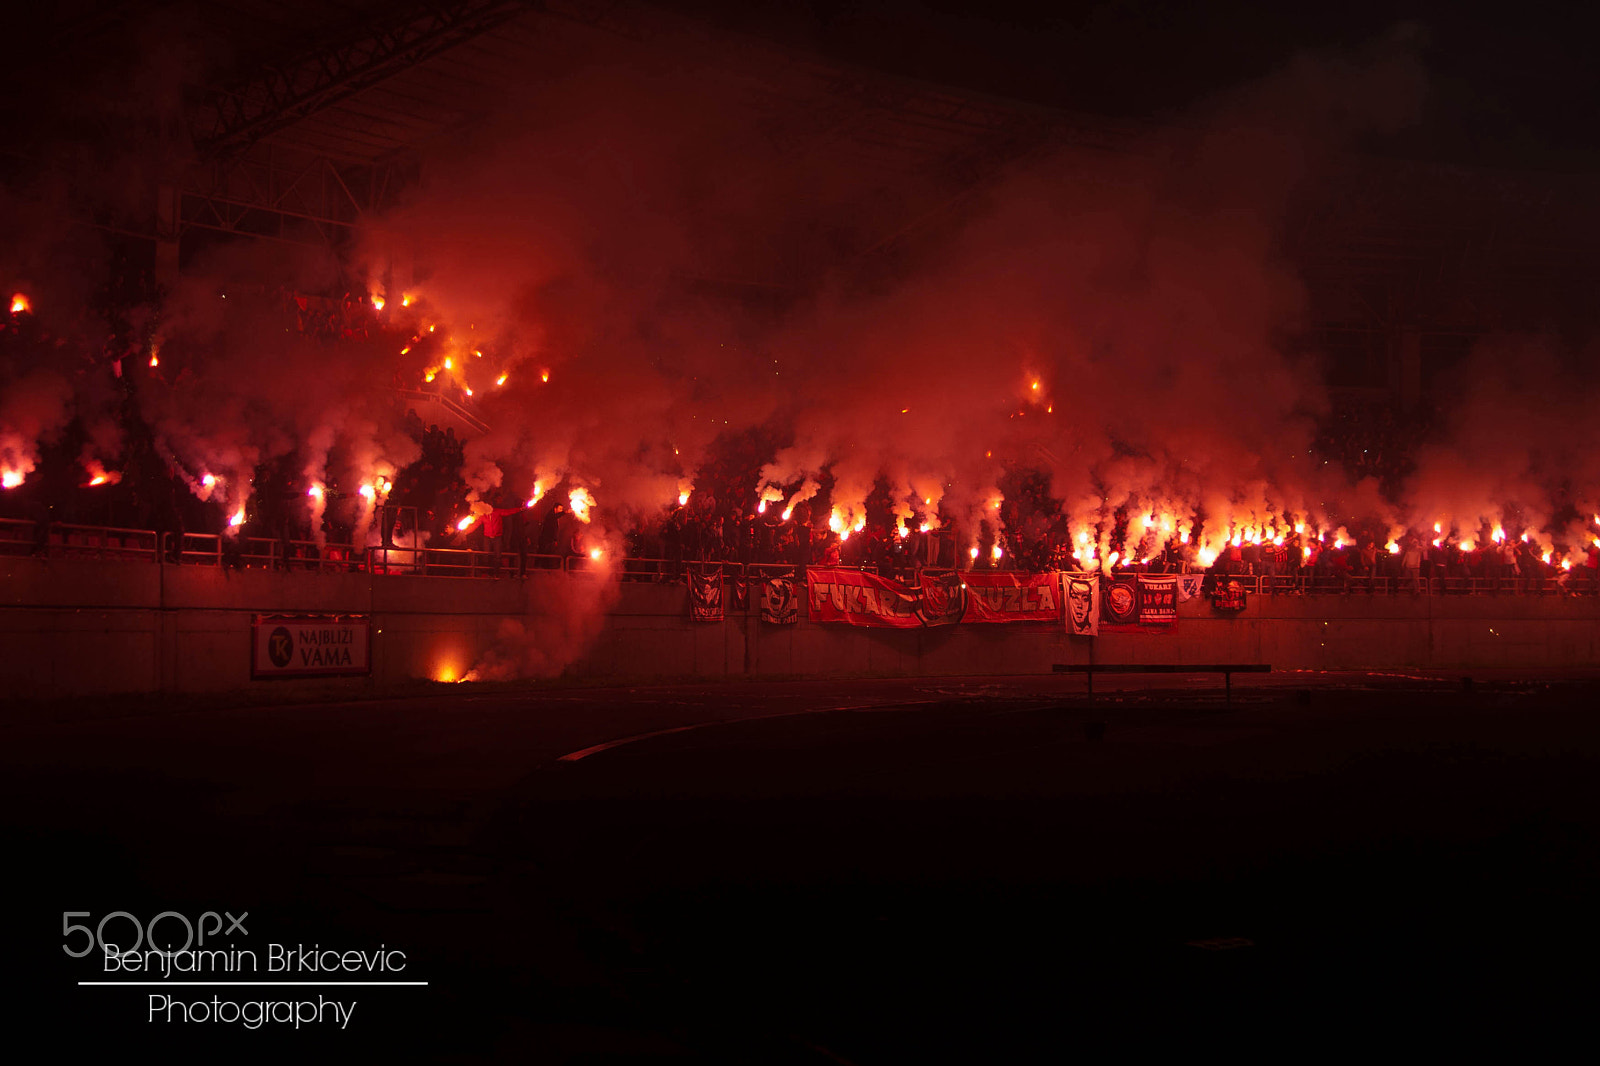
{"type": "Point", "coordinates": [1564, 583]}
{"type": "Point", "coordinates": [64, 540]}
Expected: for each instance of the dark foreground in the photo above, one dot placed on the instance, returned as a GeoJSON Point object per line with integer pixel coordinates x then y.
{"type": "Point", "coordinates": [865, 872]}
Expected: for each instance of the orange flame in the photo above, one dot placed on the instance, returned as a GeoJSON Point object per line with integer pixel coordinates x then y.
{"type": "Point", "coordinates": [315, 492]}
{"type": "Point", "coordinates": [19, 304]}
{"type": "Point", "coordinates": [464, 523]}
{"type": "Point", "coordinates": [377, 302]}
{"type": "Point", "coordinates": [237, 520]}
{"type": "Point", "coordinates": [595, 554]}
{"type": "Point", "coordinates": [581, 501]}
{"type": "Point", "coordinates": [544, 375]}
{"type": "Point", "coordinates": [368, 492]}
{"type": "Point", "coordinates": [10, 479]}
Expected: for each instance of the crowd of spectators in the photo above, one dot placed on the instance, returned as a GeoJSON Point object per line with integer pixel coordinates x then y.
{"type": "Point", "coordinates": [425, 502]}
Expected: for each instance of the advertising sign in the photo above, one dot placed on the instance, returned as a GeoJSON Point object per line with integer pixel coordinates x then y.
{"type": "Point", "coordinates": [310, 645]}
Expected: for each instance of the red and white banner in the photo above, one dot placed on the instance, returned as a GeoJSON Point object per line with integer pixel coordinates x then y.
{"type": "Point", "coordinates": [835, 594]}
{"type": "Point", "coordinates": [1007, 596]}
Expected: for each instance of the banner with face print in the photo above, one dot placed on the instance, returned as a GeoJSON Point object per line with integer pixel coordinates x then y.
{"type": "Point", "coordinates": [778, 603]}
{"type": "Point", "coordinates": [1083, 604]}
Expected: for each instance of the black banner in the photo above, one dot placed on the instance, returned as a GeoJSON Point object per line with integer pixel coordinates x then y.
{"type": "Point", "coordinates": [778, 603]}
{"type": "Point", "coordinates": [705, 596]}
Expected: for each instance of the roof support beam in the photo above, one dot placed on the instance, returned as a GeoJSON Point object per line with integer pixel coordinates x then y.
{"type": "Point", "coordinates": [235, 117]}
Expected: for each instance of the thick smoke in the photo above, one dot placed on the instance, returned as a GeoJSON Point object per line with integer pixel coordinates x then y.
{"type": "Point", "coordinates": [563, 621]}
{"type": "Point", "coordinates": [1111, 319]}
{"type": "Point", "coordinates": [1116, 320]}
{"type": "Point", "coordinates": [1516, 450]}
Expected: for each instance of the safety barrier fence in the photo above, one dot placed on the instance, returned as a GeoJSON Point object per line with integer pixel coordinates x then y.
{"type": "Point", "coordinates": [60, 540]}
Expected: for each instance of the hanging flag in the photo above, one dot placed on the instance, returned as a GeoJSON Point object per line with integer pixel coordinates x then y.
{"type": "Point", "coordinates": [1083, 604]}
{"type": "Point", "coordinates": [944, 599]}
{"type": "Point", "coordinates": [1189, 586]}
{"type": "Point", "coordinates": [839, 594]}
{"type": "Point", "coordinates": [705, 596]}
{"type": "Point", "coordinates": [1007, 596]}
{"type": "Point", "coordinates": [741, 594]}
{"type": "Point", "coordinates": [778, 603]}
{"type": "Point", "coordinates": [1228, 596]}
{"type": "Point", "coordinates": [1119, 601]}
{"type": "Point", "coordinates": [1158, 600]}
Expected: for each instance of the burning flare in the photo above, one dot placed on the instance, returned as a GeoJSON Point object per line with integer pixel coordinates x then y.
{"type": "Point", "coordinates": [581, 501]}
{"type": "Point", "coordinates": [19, 303]}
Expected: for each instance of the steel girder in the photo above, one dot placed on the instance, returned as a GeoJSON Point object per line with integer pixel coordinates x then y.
{"type": "Point", "coordinates": [234, 117]}
{"type": "Point", "coordinates": [271, 191]}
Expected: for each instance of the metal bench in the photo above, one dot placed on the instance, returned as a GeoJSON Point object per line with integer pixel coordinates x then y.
{"type": "Point", "coordinates": [1227, 670]}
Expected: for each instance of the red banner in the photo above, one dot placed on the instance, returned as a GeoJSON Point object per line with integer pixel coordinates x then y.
{"type": "Point", "coordinates": [1007, 596]}
{"type": "Point", "coordinates": [834, 594]}
{"type": "Point", "coordinates": [1158, 600]}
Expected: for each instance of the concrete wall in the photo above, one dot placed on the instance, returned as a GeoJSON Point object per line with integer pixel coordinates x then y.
{"type": "Point", "coordinates": [71, 627]}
